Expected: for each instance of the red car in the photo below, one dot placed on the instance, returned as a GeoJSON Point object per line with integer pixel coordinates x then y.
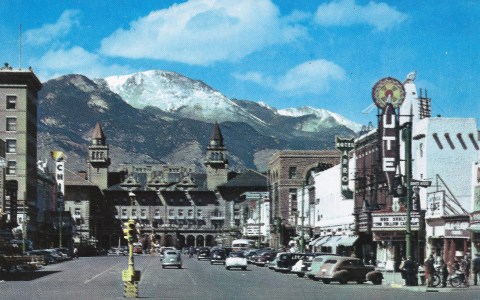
{"type": "Point", "coordinates": [137, 250]}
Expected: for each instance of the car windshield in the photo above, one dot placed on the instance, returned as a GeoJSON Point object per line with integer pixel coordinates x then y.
{"type": "Point", "coordinates": [236, 254]}
{"type": "Point", "coordinates": [171, 252]}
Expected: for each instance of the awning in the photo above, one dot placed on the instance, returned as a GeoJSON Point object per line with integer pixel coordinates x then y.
{"type": "Point", "coordinates": [474, 227]}
{"type": "Point", "coordinates": [347, 241]}
{"type": "Point", "coordinates": [322, 241]}
{"type": "Point", "coordinates": [332, 242]}
{"type": "Point", "coordinates": [315, 240]}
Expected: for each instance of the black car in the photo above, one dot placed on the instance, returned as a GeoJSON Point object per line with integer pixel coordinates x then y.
{"type": "Point", "coordinates": [203, 253]}
{"type": "Point", "coordinates": [217, 256]}
{"type": "Point", "coordinates": [286, 261]}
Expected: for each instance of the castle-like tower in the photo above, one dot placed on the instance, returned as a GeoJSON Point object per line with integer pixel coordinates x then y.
{"type": "Point", "coordinates": [216, 161]}
{"type": "Point", "coordinates": [98, 158]}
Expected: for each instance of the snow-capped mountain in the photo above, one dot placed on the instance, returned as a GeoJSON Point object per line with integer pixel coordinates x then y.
{"type": "Point", "coordinates": [174, 93]}
{"type": "Point", "coordinates": [322, 118]}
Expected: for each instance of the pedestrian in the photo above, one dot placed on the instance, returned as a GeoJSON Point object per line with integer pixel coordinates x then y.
{"type": "Point", "coordinates": [476, 268]}
{"type": "Point", "coordinates": [429, 266]}
{"type": "Point", "coordinates": [75, 252]}
{"type": "Point", "coordinates": [402, 271]}
{"type": "Point", "coordinates": [410, 269]}
{"type": "Point", "coordinates": [444, 272]}
{"type": "Point", "coordinates": [465, 267]}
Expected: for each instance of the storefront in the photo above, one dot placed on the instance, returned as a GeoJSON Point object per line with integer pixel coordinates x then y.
{"type": "Point", "coordinates": [388, 231]}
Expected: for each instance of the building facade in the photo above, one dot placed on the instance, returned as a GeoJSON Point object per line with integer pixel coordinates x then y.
{"type": "Point", "coordinates": [18, 128]}
{"type": "Point", "coordinates": [288, 172]}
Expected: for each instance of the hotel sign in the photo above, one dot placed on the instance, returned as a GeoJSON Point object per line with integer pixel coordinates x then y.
{"type": "Point", "coordinates": [344, 146]}
{"type": "Point", "coordinates": [394, 222]}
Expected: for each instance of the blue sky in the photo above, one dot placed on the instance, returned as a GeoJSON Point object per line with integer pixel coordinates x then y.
{"type": "Point", "coordinates": [324, 54]}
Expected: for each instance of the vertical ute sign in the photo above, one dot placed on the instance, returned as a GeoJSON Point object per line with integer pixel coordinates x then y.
{"type": "Point", "coordinates": [388, 94]}
{"type": "Point", "coordinates": [345, 146]}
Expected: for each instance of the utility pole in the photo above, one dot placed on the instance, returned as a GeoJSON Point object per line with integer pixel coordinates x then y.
{"type": "Point", "coordinates": [302, 235]}
{"type": "Point", "coordinates": [408, 178]}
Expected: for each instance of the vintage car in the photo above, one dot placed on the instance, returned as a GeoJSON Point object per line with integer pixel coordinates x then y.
{"type": "Point", "coordinates": [264, 258]}
{"type": "Point", "coordinates": [172, 258]}
{"type": "Point", "coordinates": [345, 269]}
{"type": "Point", "coordinates": [302, 265]}
{"type": "Point", "coordinates": [286, 260]}
{"type": "Point", "coordinates": [203, 253]}
{"type": "Point", "coordinates": [317, 263]}
{"type": "Point", "coordinates": [236, 260]}
{"type": "Point", "coordinates": [217, 256]}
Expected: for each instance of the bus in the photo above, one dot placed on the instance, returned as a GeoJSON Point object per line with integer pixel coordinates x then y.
{"type": "Point", "coordinates": [242, 244]}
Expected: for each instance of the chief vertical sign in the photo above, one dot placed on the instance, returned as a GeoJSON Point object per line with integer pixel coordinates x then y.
{"type": "Point", "coordinates": [344, 146]}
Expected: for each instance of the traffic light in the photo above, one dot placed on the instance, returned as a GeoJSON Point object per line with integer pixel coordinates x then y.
{"type": "Point", "coordinates": [130, 231]}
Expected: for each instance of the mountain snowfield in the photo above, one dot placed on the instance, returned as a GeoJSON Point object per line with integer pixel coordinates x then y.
{"type": "Point", "coordinates": [193, 99]}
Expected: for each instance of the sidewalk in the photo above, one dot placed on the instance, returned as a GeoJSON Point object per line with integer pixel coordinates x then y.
{"type": "Point", "coordinates": [394, 280]}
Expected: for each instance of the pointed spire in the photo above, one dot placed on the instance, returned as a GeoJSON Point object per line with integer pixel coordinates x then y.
{"type": "Point", "coordinates": [216, 136]}
{"type": "Point", "coordinates": [98, 132]}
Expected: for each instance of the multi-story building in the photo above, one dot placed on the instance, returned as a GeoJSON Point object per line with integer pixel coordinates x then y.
{"type": "Point", "coordinates": [288, 172]}
{"type": "Point", "coordinates": [18, 128]}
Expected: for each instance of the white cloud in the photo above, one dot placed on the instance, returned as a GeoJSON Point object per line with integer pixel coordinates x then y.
{"type": "Point", "coordinates": [202, 32]}
{"type": "Point", "coordinates": [75, 60]}
{"type": "Point", "coordinates": [347, 12]}
{"type": "Point", "coordinates": [50, 32]}
{"type": "Point", "coordinates": [311, 77]}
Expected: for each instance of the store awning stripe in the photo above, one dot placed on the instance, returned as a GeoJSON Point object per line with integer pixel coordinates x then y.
{"type": "Point", "coordinates": [322, 241]}
{"type": "Point", "coordinates": [332, 242]}
{"type": "Point", "coordinates": [348, 241]}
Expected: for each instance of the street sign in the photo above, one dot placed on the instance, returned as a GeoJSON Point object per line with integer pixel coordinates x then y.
{"type": "Point", "coordinates": [421, 183]}
{"type": "Point", "coordinates": [395, 205]}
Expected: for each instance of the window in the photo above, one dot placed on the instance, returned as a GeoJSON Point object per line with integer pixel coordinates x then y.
{"type": "Point", "coordinates": [78, 212]}
{"type": "Point", "coordinates": [11, 102]}
{"type": "Point", "coordinates": [190, 212]}
{"type": "Point", "coordinates": [11, 124]}
{"type": "Point", "coordinates": [157, 212]}
{"type": "Point", "coordinates": [171, 211]}
{"type": "Point", "coordinates": [124, 212]}
{"type": "Point", "coordinates": [143, 213]}
{"type": "Point", "coordinates": [11, 167]}
{"type": "Point", "coordinates": [292, 172]}
{"type": "Point", "coordinates": [11, 146]}
{"type": "Point", "coordinates": [199, 213]}
{"type": "Point", "coordinates": [180, 213]}
{"type": "Point", "coordinates": [134, 213]}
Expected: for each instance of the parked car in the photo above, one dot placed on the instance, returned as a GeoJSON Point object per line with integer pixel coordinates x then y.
{"type": "Point", "coordinates": [345, 269]}
{"type": "Point", "coordinates": [236, 260]}
{"type": "Point", "coordinates": [217, 256]}
{"type": "Point", "coordinates": [317, 263]}
{"type": "Point", "coordinates": [273, 263]}
{"type": "Point", "coordinates": [203, 253]}
{"type": "Point", "coordinates": [249, 253]}
{"type": "Point", "coordinates": [302, 265]}
{"type": "Point", "coordinates": [172, 258]}
{"type": "Point", "coordinates": [264, 258]}
{"type": "Point", "coordinates": [286, 261]}
{"type": "Point", "coordinates": [137, 250]}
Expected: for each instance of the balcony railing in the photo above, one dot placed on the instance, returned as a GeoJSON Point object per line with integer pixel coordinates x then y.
{"type": "Point", "coordinates": [172, 217]}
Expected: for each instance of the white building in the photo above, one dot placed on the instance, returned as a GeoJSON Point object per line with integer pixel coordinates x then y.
{"type": "Point", "coordinates": [443, 151]}
{"type": "Point", "coordinates": [332, 212]}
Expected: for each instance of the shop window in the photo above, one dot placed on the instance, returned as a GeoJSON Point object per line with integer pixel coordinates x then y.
{"type": "Point", "coordinates": [11, 102]}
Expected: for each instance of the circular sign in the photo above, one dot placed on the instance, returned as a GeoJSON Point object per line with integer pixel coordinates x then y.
{"type": "Point", "coordinates": [388, 87]}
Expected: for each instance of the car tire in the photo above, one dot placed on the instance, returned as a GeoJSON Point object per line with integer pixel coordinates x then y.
{"type": "Point", "coordinates": [326, 281]}
{"type": "Point", "coordinates": [343, 280]}
{"type": "Point", "coordinates": [163, 267]}
{"type": "Point", "coordinates": [301, 275]}
{"type": "Point", "coordinates": [228, 268]}
{"type": "Point", "coordinates": [360, 281]}
{"type": "Point", "coordinates": [244, 268]}
{"type": "Point", "coordinates": [179, 267]}
{"type": "Point", "coordinates": [377, 281]}
{"type": "Point", "coordinates": [211, 262]}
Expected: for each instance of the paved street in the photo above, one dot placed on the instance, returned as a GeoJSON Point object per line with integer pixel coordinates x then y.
{"type": "Point", "coordinates": [100, 278]}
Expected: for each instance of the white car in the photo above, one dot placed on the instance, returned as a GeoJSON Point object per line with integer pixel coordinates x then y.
{"type": "Point", "coordinates": [236, 260]}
